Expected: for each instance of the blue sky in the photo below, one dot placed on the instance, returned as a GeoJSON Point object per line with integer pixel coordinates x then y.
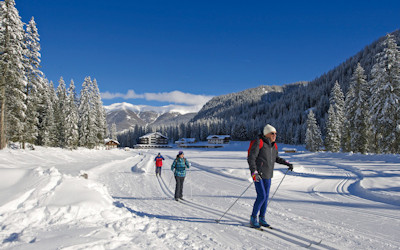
{"type": "Point", "coordinates": [185, 51]}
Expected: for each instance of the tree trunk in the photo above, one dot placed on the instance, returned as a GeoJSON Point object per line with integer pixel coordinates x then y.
{"type": "Point", "coordinates": [3, 115]}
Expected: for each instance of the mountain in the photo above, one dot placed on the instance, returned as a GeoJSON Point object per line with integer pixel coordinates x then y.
{"type": "Point", "coordinates": [246, 112]}
{"type": "Point", "coordinates": [124, 119]}
{"type": "Point", "coordinates": [226, 105]}
{"type": "Point", "coordinates": [126, 116]}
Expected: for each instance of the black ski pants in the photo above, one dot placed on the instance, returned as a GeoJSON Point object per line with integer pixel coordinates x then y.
{"type": "Point", "coordinates": [179, 187]}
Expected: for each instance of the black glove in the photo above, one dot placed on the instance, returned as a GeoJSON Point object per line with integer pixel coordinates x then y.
{"type": "Point", "coordinates": [290, 165]}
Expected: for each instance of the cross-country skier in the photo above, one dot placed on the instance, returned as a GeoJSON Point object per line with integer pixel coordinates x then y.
{"type": "Point", "coordinates": [179, 167]}
{"type": "Point", "coordinates": [159, 161]}
{"type": "Point", "coordinates": [263, 153]}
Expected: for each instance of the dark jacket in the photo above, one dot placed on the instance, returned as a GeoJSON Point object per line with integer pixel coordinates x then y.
{"type": "Point", "coordinates": [263, 159]}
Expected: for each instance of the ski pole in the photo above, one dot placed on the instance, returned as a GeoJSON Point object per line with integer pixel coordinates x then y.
{"type": "Point", "coordinates": [190, 183]}
{"type": "Point", "coordinates": [277, 188]}
{"type": "Point", "coordinates": [170, 180]}
{"type": "Point", "coordinates": [234, 203]}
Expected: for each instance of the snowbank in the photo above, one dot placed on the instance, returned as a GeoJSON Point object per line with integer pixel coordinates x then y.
{"type": "Point", "coordinates": [55, 199]}
{"type": "Point", "coordinates": [43, 201]}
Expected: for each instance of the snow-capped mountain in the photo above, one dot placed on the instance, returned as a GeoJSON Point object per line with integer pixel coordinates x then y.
{"type": "Point", "coordinates": [127, 116]}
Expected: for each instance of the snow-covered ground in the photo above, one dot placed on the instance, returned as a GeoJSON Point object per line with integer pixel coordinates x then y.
{"type": "Point", "coordinates": [348, 201]}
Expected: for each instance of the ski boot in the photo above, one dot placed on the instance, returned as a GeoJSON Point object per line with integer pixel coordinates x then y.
{"type": "Point", "coordinates": [254, 223]}
{"type": "Point", "coordinates": [263, 222]}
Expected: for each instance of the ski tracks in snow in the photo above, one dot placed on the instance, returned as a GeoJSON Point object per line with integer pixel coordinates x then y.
{"type": "Point", "coordinates": [196, 218]}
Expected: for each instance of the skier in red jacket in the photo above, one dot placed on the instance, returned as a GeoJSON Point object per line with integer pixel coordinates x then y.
{"type": "Point", "coordinates": [158, 161]}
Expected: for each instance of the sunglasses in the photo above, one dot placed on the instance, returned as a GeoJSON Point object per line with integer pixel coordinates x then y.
{"type": "Point", "coordinates": [272, 133]}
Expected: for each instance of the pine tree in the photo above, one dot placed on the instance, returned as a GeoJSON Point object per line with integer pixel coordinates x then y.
{"type": "Point", "coordinates": [87, 131]}
{"type": "Point", "coordinates": [12, 78]}
{"type": "Point", "coordinates": [72, 118]}
{"type": "Point", "coordinates": [60, 114]}
{"type": "Point", "coordinates": [46, 115]}
{"type": "Point", "coordinates": [313, 133]}
{"type": "Point", "coordinates": [239, 131]}
{"type": "Point", "coordinates": [34, 85]}
{"type": "Point", "coordinates": [113, 131]}
{"type": "Point", "coordinates": [100, 118]}
{"type": "Point", "coordinates": [336, 119]}
{"type": "Point", "coordinates": [332, 141]}
{"type": "Point", "coordinates": [52, 139]}
{"type": "Point", "coordinates": [385, 98]}
{"type": "Point", "coordinates": [357, 128]}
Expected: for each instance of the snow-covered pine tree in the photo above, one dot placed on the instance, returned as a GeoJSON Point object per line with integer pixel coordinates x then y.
{"type": "Point", "coordinates": [72, 118]}
{"type": "Point", "coordinates": [53, 135]}
{"type": "Point", "coordinates": [113, 131]}
{"type": "Point", "coordinates": [84, 111]}
{"type": "Point", "coordinates": [313, 133]}
{"type": "Point", "coordinates": [332, 141]}
{"type": "Point", "coordinates": [87, 131]}
{"type": "Point", "coordinates": [60, 114]}
{"type": "Point", "coordinates": [357, 126]}
{"type": "Point", "coordinates": [204, 130]}
{"type": "Point", "coordinates": [336, 118]}
{"type": "Point", "coordinates": [385, 98]}
{"type": "Point", "coordinates": [239, 131]}
{"type": "Point", "coordinates": [46, 136]}
{"type": "Point", "coordinates": [100, 118]}
{"type": "Point", "coordinates": [182, 130]}
{"type": "Point", "coordinates": [12, 77]}
{"type": "Point", "coordinates": [34, 85]}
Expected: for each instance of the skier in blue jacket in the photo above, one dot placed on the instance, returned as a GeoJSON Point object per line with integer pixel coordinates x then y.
{"type": "Point", "coordinates": [179, 167]}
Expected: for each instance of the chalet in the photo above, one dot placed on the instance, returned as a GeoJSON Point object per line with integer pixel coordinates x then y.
{"type": "Point", "coordinates": [155, 138]}
{"type": "Point", "coordinates": [111, 143]}
{"type": "Point", "coordinates": [289, 150]}
{"type": "Point", "coordinates": [219, 139]}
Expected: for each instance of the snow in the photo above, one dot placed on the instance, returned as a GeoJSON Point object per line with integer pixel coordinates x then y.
{"type": "Point", "coordinates": [182, 109]}
{"type": "Point", "coordinates": [349, 201]}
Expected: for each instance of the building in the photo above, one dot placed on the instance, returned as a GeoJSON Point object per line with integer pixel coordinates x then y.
{"type": "Point", "coordinates": [219, 139]}
{"type": "Point", "coordinates": [111, 143]}
{"type": "Point", "coordinates": [155, 138]}
{"type": "Point", "coordinates": [289, 150]}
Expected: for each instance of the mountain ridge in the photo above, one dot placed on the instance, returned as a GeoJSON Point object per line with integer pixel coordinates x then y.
{"type": "Point", "coordinates": [127, 116]}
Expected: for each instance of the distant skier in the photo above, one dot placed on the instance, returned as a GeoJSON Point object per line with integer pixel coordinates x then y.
{"type": "Point", "coordinates": [263, 153]}
{"type": "Point", "coordinates": [179, 167]}
{"type": "Point", "coordinates": [159, 161]}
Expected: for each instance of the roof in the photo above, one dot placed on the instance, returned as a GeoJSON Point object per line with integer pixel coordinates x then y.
{"type": "Point", "coordinates": [110, 140]}
{"type": "Point", "coordinates": [154, 133]}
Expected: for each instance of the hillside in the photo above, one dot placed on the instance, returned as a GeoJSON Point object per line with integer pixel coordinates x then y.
{"type": "Point", "coordinates": [285, 107]}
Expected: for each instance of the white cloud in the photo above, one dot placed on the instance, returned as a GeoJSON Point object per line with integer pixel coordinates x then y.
{"type": "Point", "coordinates": [178, 97]}
{"type": "Point", "coordinates": [170, 97]}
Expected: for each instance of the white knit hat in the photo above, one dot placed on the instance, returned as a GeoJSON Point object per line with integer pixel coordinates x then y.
{"type": "Point", "coordinates": [268, 129]}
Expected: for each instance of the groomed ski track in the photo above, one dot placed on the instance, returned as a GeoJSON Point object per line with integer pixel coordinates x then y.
{"type": "Point", "coordinates": [322, 209]}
